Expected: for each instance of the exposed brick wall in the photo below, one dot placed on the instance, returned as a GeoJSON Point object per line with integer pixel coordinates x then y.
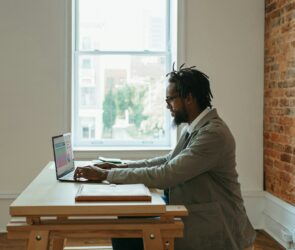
{"type": "Point", "coordinates": [279, 99]}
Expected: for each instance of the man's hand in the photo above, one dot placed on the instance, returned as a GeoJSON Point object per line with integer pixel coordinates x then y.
{"type": "Point", "coordinates": [91, 173]}
{"type": "Point", "coordinates": [107, 165]}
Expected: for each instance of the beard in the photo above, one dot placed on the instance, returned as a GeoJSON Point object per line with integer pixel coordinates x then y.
{"type": "Point", "coordinates": [180, 116]}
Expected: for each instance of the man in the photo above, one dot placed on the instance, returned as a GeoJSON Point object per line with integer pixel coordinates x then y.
{"type": "Point", "coordinates": [199, 173]}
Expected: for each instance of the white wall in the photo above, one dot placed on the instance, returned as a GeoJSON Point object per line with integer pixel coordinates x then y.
{"type": "Point", "coordinates": [225, 39]}
{"type": "Point", "coordinates": [32, 84]}
{"type": "Point", "coordinates": [222, 38]}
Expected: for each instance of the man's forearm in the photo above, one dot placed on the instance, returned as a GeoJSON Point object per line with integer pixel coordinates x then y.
{"type": "Point", "coordinates": [122, 165]}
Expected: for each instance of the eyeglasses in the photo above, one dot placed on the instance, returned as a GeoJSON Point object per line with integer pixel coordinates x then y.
{"type": "Point", "coordinates": [169, 99]}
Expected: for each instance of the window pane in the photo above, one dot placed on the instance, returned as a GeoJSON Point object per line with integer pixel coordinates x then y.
{"type": "Point", "coordinates": [87, 125]}
{"type": "Point", "coordinates": [125, 99]}
{"type": "Point", "coordinates": [130, 25]}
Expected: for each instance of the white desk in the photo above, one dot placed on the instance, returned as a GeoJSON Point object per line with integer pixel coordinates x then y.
{"type": "Point", "coordinates": [52, 214]}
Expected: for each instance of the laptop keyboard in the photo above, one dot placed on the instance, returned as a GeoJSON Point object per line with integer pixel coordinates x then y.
{"type": "Point", "coordinates": [69, 176]}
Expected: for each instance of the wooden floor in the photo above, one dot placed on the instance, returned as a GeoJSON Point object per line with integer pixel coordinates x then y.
{"type": "Point", "coordinates": [263, 242]}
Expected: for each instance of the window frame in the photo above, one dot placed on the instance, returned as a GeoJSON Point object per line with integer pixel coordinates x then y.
{"type": "Point", "coordinates": [171, 53]}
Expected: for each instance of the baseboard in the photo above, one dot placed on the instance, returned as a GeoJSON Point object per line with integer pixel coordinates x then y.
{"type": "Point", "coordinates": [278, 215]}
{"type": "Point", "coordinates": [8, 195]}
{"type": "Point", "coordinates": [6, 198]}
{"type": "Point", "coordinates": [269, 213]}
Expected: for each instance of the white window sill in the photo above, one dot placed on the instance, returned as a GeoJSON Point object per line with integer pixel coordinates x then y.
{"type": "Point", "coordinates": [124, 153]}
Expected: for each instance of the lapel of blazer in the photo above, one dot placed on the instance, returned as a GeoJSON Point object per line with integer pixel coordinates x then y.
{"type": "Point", "coordinates": [183, 142]}
{"type": "Point", "coordinates": [180, 145]}
{"type": "Point", "coordinates": [211, 115]}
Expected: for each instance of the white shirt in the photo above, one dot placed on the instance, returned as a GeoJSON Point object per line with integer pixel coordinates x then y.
{"type": "Point", "coordinates": [190, 127]}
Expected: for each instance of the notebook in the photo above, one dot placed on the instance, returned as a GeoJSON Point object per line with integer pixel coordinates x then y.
{"type": "Point", "coordinates": [113, 192]}
{"type": "Point", "coordinates": [64, 158]}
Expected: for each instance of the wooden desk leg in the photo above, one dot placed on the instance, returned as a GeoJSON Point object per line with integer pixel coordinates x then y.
{"type": "Point", "coordinates": [58, 243]}
{"type": "Point", "coordinates": [38, 240]}
{"type": "Point", "coordinates": [168, 243]}
{"type": "Point", "coordinates": [152, 239]}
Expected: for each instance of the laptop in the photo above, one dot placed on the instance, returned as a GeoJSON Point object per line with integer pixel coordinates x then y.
{"type": "Point", "coordinates": [64, 158]}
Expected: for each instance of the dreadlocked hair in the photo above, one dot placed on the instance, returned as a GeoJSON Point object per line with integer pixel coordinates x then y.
{"type": "Point", "coordinates": [192, 81]}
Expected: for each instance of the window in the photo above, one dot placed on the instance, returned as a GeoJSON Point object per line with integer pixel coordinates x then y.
{"type": "Point", "coordinates": [122, 52]}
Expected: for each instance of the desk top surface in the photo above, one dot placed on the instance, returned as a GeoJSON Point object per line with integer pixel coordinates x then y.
{"type": "Point", "coordinates": [46, 196]}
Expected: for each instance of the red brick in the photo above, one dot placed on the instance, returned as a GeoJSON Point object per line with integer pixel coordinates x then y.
{"type": "Point", "coordinates": [268, 144]}
{"type": "Point", "coordinates": [284, 139]}
{"type": "Point", "coordinates": [292, 131]}
{"type": "Point", "coordinates": [274, 137]}
{"type": "Point", "coordinates": [270, 7]}
{"type": "Point", "coordinates": [288, 149]}
{"type": "Point", "coordinates": [283, 84]}
{"type": "Point", "coordinates": [266, 136]}
{"type": "Point", "coordinates": [290, 93]}
{"type": "Point", "coordinates": [284, 102]}
{"type": "Point", "coordinates": [290, 6]}
{"type": "Point", "coordinates": [274, 102]}
{"type": "Point", "coordinates": [290, 168]}
{"type": "Point", "coordinates": [278, 147]}
{"type": "Point", "coordinates": [286, 158]}
{"type": "Point", "coordinates": [292, 102]}
{"type": "Point", "coordinates": [268, 162]}
{"type": "Point", "coordinates": [286, 120]}
{"type": "Point", "coordinates": [285, 177]}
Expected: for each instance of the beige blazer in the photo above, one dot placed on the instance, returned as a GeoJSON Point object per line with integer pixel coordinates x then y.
{"type": "Point", "coordinates": [200, 174]}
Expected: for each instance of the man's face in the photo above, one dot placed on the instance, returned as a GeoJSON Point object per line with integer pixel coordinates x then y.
{"type": "Point", "coordinates": [176, 105]}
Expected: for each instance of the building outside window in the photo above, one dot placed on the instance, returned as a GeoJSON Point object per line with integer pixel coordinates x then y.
{"type": "Point", "coordinates": [88, 128]}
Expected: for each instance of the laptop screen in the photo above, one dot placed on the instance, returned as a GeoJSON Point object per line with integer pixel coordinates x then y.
{"type": "Point", "coordinates": [63, 154]}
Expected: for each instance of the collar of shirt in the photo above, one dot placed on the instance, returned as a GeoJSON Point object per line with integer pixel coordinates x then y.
{"type": "Point", "coordinates": [194, 123]}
